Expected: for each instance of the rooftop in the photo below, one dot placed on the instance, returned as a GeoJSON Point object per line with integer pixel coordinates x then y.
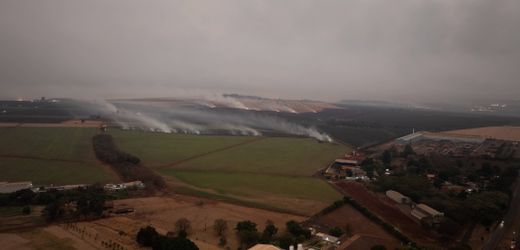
{"type": "Point", "coordinates": [264, 247]}
{"type": "Point", "coordinates": [429, 210]}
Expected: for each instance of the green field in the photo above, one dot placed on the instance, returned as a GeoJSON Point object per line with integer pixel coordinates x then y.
{"type": "Point", "coordinates": [50, 143]}
{"type": "Point", "coordinates": [258, 185]}
{"type": "Point", "coordinates": [280, 156]}
{"type": "Point", "coordinates": [42, 172]}
{"type": "Point", "coordinates": [269, 171]}
{"type": "Point", "coordinates": [291, 156]}
{"type": "Point", "coordinates": [157, 149]}
{"type": "Point", "coordinates": [50, 156]}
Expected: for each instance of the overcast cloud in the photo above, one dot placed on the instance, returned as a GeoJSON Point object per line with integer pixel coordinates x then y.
{"type": "Point", "coordinates": [414, 50]}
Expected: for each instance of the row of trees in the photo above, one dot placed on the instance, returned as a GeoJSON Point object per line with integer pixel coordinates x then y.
{"type": "Point", "coordinates": [126, 165]}
{"type": "Point", "coordinates": [249, 235]}
{"type": "Point", "coordinates": [80, 203]}
{"type": "Point", "coordinates": [246, 231]}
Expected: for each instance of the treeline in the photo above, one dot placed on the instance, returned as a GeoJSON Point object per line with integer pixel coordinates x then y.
{"type": "Point", "coordinates": [76, 204]}
{"type": "Point", "coordinates": [248, 234]}
{"type": "Point", "coordinates": [126, 165]}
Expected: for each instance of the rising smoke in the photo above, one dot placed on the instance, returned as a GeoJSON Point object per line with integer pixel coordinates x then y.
{"type": "Point", "coordinates": [170, 117]}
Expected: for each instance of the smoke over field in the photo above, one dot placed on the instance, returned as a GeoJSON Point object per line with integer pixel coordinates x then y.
{"type": "Point", "coordinates": [223, 115]}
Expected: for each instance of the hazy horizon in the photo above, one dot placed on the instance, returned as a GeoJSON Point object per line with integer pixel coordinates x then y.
{"type": "Point", "coordinates": [404, 50]}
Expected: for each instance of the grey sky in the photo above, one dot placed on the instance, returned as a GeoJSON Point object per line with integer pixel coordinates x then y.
{"type": "Point", "coordinates": [413, 50]}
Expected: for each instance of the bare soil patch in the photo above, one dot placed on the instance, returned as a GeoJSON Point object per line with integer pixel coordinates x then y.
{"type": "Point", "coordinates": [358, 223]}
{"type": "Point", "coordinates": [510, 133]}
{"type": "Point", "coordinates": [13, 242]}
{"type": "Point", "coordinates": [386, 211]}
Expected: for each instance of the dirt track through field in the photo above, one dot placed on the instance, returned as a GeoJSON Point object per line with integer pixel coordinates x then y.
{"type": "Point", "coordinates": [211, 152]}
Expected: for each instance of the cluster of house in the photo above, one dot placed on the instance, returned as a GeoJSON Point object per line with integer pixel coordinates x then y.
{"type": "Point", "coordinates": [347, 168]}
{"type": "Point", "coordinates": [126, 185]}
{"type": "Point", "coordinates": [357, 241]}
{"type": "Point", "coordinates": [457, 145]}
{"type": "Point", "coordinates": [330, 240]}
{"type": "Point", "coordinates": [419, 211]}
{"type": "Point", "coordinates": [11, 187]}
{"type": "Point", "coordinates": [272, 247]}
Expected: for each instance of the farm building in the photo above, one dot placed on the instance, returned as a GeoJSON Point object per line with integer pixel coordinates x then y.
{"type": "Point", "coordinates": [133, 184]}
{"type": "Point", "coordinates": [11, 187]}
{"type": "Point", "coordinates": [67, 187]}
{"type": "Point", "coordinates": [264, 247]}
{"type": "Point", "coordinates": [355, 156]}
{"type": "Point", "coordinates": [346, 162]}
{"type": "Point", "coordinates": [422, 211]}
{"type": "Point", "coordinates": [398, 197]}
{"type": "Point", "coordinates": [328, 238]}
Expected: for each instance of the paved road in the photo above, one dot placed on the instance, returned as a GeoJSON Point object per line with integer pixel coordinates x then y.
{"type": "Point", "coordinates": [512, 214]}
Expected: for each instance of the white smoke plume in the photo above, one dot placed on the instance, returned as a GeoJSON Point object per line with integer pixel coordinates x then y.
{"type": "Point", "coordinates": [162, 117]}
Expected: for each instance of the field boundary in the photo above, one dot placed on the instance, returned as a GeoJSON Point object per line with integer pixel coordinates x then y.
{"type": "Point", "coordinates": [9, 156]}
{"type": "Point", "coordinates": [169, 165]}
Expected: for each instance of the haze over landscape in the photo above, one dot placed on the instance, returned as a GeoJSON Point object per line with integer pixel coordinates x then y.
{"type": "Point", "coordinates": [260, 124]}
{"type": "Point", "coordinates": [406, 50]}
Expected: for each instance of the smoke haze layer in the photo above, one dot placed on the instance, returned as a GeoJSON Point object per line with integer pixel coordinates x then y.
{"type": "Point", "coordinates": [409, 50]}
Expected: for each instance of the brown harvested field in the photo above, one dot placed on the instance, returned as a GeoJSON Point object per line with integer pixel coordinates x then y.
{"type": "Point", "coordinates": [163, 212]}
{"type": "Point", "coordinates": [386, 210]}
{"type": "Point", "coordinates": [510, 133]}
{"type": "Point", "coordinates": [359, 224]}
{"type": "Point", "coordinates": [363, 242]}
{"type": "Point", "coordinates": [160, 212]}
{"type": "Point", "coordinates": [357, 221]}
{"type": "Point", "coordinates": [12, 241]}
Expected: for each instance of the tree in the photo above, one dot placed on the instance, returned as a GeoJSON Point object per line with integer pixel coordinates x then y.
{"type": "Point", "coordinates": [386, 157]}
{"type": "Point", "coordinates": [146, 236]}
{"type": "Point", "coordinates": [26, 210]}
{"type": "Point", "coordinates": [182, 225]}
{"type": "Point", "coordinates": [378, 247]}
{"type": "Point", "coordinates": [222, 241]}
{"type": "Point", "coordinates": [220, 226]}
{"type": "Point", "coordinates": [285, 241]}
{"type": "Point", "coordinates": [335, 231]}
{"type": "Point", "coordinates": [54, 211]}
{"type": "Point", "coordinates": [408, 150]}
{"type": "Point", "coordinates": [486, 207]}
{"type": "Point", "coordinates": [182, 234]}
{"type": "Point", "coordinates": [177, 243]}
{"type": "Point", "coordinates": [297, 230]}
{"type": "Point", "coordinates": [246, 225]}
{"type": "Point", "coordinates": [247, 233]}
{"type": "Point", "coordinates": [270, 231]}
{"type": "Point", "coordinates": [487, 170]}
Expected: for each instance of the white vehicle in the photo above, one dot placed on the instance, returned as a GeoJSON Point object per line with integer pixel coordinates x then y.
{"type": "Point", "coordinates": [501, 224]}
